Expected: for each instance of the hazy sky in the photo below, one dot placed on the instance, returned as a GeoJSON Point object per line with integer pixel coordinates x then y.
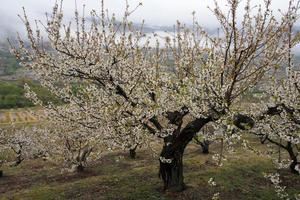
{"type": "Point", "coordinates": [155, 12]}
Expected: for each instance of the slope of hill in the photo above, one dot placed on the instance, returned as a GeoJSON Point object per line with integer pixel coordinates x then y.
{"type": "Point", "coordinates": [116, 177]}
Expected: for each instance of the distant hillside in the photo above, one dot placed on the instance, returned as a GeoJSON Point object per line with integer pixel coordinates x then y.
{"type": "Point", "coordinates": [8, 63]}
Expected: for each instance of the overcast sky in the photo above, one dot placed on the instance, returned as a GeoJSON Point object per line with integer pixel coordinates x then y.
{"type": "Point", "coordinates": [154, 12]}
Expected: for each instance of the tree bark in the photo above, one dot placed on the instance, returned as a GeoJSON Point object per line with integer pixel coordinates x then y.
{"type": "Point", "coordinates": [171, 165]}
{"type": "Point", "coordinates": [293, 158]}
{"type": "Point", "coordinates": [205, 146]}
{"type": "Point", "coordinates": [132, 153]}
{"type": "Point", "coordinates": [172, 171]}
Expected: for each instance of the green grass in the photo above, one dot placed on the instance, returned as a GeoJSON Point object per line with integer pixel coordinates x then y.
{"type": "Point", "coordinates": [12, 94]}
{"type": "Point", "coordinates": [241, 177]}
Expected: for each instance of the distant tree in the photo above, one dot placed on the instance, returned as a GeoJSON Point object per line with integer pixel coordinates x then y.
{"type": "Point", "coordinates": [279, 124]}
{"type": "Point", "coordinates": [204, 144]}
{"type": "Point", "coordinates": [72, 135]}
{"type": "Point", "coordinates": [24, 143]}
{"type": "Point", "coordinates": [204, 138]}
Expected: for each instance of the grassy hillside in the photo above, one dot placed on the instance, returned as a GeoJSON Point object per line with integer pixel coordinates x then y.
{"type": "Point", "coordinates": [8, 63]}
{"type": "Point", "coordinates": [12, 94]}
{"type": "Point", "coordinates": [116, 177]}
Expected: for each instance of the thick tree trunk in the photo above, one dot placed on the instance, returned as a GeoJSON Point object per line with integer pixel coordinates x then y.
{"type": "Point", "coordinates": [171, 169]}
{"type": "Point", "coordinates": [1, 173]}
{"type": "Point", "coordinates": [171, 165]}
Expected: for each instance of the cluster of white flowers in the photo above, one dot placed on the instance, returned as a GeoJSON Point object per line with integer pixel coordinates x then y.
{"type": "Point", "coordinates": [212, 182]}
{"type": "Point", "coordinates": [216, 196]}
{"type": "Point", "coordinates": [165, 160]}
{"type": "Point", "coordinates": [282, 164]}
{"type": "Point", "coordinates": [280, 190]}
{"type": "Point", "coordinates": [280, 122]}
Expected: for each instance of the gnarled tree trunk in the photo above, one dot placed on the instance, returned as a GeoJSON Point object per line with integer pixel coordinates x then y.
{"type": "Point", "coordinates": [171, 169]}
{"type": "Point", "coordinates": [171, 165]}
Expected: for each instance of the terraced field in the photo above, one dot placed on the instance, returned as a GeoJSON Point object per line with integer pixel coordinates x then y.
{"type": "Point", "coordinates": [19, 116]}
